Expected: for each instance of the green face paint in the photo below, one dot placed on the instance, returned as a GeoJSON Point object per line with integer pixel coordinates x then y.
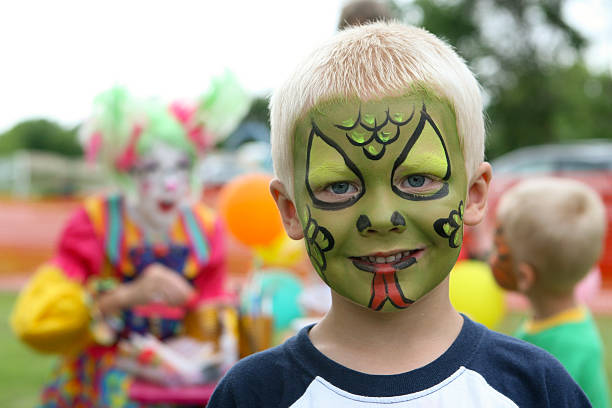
{"type": "Point", "coordinates": [450, 227]}
{"type": "Point", "coordinates": [375, 183]}
{"type": "Point", "coordinates": [318, 241]}
{"type": "Point", "coordinates": [373, 134]}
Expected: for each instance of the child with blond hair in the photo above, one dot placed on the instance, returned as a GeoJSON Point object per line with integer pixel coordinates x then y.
{"type": "Point", "coordinates": [378, 145]}
{"type": "Point", "coordinates": [549, 235]}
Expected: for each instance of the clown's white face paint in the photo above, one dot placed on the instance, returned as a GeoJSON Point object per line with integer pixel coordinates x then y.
{"type": "Point", "coordinates": [162, 179]}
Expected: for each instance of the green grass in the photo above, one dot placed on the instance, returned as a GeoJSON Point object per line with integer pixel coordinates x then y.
{"type": "Point", "coordinates": [23, 371]}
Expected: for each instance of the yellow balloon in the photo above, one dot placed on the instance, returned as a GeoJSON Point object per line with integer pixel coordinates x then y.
{"type": "Point", "coordinates": [474, 292]}
{"type": "Point", "coordinates": [282, 252]}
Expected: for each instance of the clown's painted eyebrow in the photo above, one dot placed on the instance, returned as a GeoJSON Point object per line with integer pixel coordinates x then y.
{"type": "Point", "coordinates": [184, 162]}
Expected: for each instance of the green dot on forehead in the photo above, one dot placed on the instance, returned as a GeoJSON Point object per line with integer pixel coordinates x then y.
{"type": "Point", "coordinates": [348, 123]}
{"type": "Point", "coordinates": [358, 135]}
{"type": "Point", "coordinates": [385, 135]}
{"type": "Point", "coordinates": [374, 148]}
{"type": "Point", "coordinates": [369, 119]}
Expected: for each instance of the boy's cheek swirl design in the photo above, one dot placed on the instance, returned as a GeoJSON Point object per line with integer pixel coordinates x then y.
{"type": "Point", "coordinates": [449, 227]}
{"type": "Point", "coordinates": [318, 241]}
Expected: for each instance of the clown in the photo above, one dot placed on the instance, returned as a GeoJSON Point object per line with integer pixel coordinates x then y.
{"type": "Point", "coordinates": [137, 261]}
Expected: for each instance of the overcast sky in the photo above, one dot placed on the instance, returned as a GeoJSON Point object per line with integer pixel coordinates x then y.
{"type": "Point", "coordinates": [57, 55]}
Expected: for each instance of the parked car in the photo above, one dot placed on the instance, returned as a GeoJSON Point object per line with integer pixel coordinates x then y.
{"type": "Point", "coordinates": [587, 161]}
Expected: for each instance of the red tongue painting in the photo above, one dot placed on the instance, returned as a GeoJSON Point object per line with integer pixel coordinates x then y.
{"type": "Point", "coordinates": [385, 286]}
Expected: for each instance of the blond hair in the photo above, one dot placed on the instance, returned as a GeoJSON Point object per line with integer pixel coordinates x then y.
{"type": "Point", "coordinates": [371, 62]}
{"type": "Point", "coordinates": [555, 225]}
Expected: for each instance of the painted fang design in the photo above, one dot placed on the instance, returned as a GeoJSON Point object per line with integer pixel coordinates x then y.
{"type": "Point", "coordinates": [449, 227]}
{"type": "Point", "coordinates": [384, 282]}
{"type": "Point", "coordinates": [318, 241]}
{"type": "Point", "coordinates": [385, 286]}
{"type": "Point", "coordinates": [423, 140]}
{"type": "Point", "coordinates": [372, 137]}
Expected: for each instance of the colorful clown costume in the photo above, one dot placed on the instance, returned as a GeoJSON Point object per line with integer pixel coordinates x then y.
{"type": "Point", "coordinates": [100, 248]}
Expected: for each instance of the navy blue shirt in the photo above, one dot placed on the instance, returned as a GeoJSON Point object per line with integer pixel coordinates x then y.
{"type": "Point", "coordinates": [482, 368]}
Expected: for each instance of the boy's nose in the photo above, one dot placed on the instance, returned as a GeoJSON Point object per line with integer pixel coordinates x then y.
{"type": "Point", "coordinates": [382, 225]}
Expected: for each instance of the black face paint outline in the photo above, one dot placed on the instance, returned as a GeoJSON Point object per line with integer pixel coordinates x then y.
{"type": "Point", "coordinates": [443, 191]}
{"type": "Point", "coordinates": [453, 225]}
{"type": "Point", "coordinates": [399, 289]}
{"type": "Point", "coordinates": [363, 223]}
{"type": "Point", "coordinates": [397, 219]}
{"type": "Point", "coordinates": [388, 296]}
{"type": "Point", "coordinates": [312, 244]}
{"type": "Point", "coordinates": [315, 131]}
{"type": "Point", "coordinates": [375, 135]}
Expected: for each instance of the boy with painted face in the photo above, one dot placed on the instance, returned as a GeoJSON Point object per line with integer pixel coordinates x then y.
{"type": "Point", "coordinates": [550, 234]}
{"type": "Point", "coordinates": [134, 262]}
{"type": "Point", "coordinates": [377, 141]}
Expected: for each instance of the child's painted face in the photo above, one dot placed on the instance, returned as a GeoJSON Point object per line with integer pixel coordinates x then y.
{"type": "Point", "coordinates": [380, 188]}
{"type": "Point", "coordinates": [162, 177]}
{"type": "Point", "coordinates": [502, 264]}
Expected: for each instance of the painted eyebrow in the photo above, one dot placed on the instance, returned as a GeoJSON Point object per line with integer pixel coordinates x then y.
{"type": "Point", "coordinates": [350, 166]}
{"type": "Point", "coordinates": [329, 171]}
{"type": "Point", "coordinates": [433, 164]}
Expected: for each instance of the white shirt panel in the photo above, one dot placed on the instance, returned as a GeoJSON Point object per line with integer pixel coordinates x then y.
{"type": "Point", "coordinates": [464, 389]}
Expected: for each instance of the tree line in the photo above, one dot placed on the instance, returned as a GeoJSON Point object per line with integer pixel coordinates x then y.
{"type": "Point", "coordinates": [529, 59]}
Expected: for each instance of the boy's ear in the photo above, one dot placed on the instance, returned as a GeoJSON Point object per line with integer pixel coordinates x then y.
{"type": "Point", "coordinates": [525, 277]}
{"type": "Point", "coordinates": [287, 210]}
{"type": "Point", "coordinates": [478, 190]}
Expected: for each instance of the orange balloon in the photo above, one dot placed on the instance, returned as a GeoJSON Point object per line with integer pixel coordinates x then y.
{"type": "Point", "coordinates": [249, 211]}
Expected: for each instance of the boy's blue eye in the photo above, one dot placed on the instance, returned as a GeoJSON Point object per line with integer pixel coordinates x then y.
{"type": "Point", "coordinates": [416, 180]}
{"type": "Point", "coordinates": [340, 188]}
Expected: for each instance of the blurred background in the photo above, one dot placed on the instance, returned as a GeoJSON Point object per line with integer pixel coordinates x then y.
{"type": "Point", "coordinates": [545, 67]}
